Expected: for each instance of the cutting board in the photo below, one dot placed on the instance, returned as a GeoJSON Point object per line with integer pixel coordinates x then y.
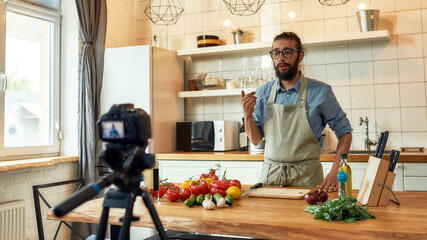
{"type": "Point", "coordinates": [288, 193]}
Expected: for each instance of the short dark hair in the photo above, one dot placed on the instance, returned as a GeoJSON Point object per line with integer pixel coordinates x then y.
{"type": "Point", "coordinates": [291, 36]}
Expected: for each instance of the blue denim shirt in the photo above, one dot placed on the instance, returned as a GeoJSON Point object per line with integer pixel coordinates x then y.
{"type": "Point", "coordinates": [322, 107]}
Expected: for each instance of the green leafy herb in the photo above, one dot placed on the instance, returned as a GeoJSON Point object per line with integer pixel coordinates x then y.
{"type": "Point", "coordinates": [341, 209]}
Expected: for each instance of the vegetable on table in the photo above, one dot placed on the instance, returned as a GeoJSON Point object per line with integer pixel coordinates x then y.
{"type": "Point", "coordinates": [200, 199]}
{"type": "Point", "coordinates": [190, 201]}
{"type": "Point", "coordinates": [234, 192]}
{"type": "Point", "coordinates": [208, 204]}
{"type": "Point", "coordinates": [341, 209]}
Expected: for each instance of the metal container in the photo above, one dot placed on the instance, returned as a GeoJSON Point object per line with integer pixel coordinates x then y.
{"type": "Point", "coordinates": [368, 20]}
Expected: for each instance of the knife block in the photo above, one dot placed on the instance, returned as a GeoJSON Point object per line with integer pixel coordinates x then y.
{"type": "Point", "coordinates": [376, 183]}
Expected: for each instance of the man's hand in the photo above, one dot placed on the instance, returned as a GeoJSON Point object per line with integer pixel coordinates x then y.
{"type": "Point", "coordinates": [248, 102]}
{"type": "Point", "coordinates": [330, 183]}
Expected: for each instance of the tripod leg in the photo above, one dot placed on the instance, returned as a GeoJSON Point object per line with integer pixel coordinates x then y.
{"type": "Point", "coordinates": [100, 234]}
{"type": "Point", "coordinates": [124, 231]}
{"type": "Point", "coordinates": [154, 215]}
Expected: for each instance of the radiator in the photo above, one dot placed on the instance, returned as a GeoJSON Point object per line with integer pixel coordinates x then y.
{"type": "Point", "coordinates": [12, 220]}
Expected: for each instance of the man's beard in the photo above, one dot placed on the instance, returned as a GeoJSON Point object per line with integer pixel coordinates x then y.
{"type": "Point", "coordinates": [289, 74]}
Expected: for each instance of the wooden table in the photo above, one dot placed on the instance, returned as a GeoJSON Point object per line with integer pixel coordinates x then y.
{"type": "Point", "coordinates": [273, 219]}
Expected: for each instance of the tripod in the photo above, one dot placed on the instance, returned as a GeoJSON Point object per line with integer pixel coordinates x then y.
{"type": "Point", "coordinates": [127, 179]}
{"type": "Point", "coordinates": [125, 198]}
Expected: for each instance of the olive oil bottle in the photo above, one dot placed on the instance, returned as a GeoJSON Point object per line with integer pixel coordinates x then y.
{"type": "Point", "coordinates": [346, 168]}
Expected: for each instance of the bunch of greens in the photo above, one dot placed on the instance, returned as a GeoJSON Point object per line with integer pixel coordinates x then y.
{"type": "Point", "coordinates": [343, 208]}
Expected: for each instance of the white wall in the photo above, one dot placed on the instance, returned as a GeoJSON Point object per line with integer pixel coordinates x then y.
{"type": "Point", "coordinates": [17, 184]}
{"type": "Point", "coordinates": [384, 81]}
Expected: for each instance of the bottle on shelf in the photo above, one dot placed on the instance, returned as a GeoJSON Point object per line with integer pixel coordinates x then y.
{"type": "Point", "coordinates": [243, 138]}
{"type": "Point", "coordinates": [346, 168]}
{"type": "Point", "coordinates": [342, 183]}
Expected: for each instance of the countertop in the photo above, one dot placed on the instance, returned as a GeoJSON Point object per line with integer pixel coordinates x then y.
{"type": "Point", "coordinates": [272, 218]}
{"type": "Point", "coordinates": [418, 157]}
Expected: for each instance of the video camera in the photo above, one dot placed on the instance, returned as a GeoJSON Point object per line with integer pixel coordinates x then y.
{"type": "Point", "coordinates": [125, 124]}
{"type": "Point", "coordinates": [123, 127]}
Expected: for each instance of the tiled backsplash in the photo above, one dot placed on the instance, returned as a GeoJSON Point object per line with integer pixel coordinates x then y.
{"type": "Point", "coordinates": [383, 80]}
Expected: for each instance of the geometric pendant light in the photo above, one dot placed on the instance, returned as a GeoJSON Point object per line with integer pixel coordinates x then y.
{"type": "Point", "coordinates": [164, 12]}
{"type": "Point", "coordinates": [333, 2]}
{"type": "Point", "coordinates": [243, 7]}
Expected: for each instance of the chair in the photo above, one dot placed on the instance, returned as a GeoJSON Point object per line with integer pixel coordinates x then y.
{"type": "Point", "coordinates": [37, 196]}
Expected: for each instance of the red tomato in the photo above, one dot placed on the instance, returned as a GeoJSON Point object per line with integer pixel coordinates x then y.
{"type": "Point", "coordinates": [162, 191]}
{"type": "Point", "coordinates": [202, 176]}
{"type": "Point", "coordinates": [172, 195]}
{"type": "Point", "coordinates": [154, 194]}
{"type": "Point", "coordinates": [217, 190]}
{"type": "Point", "coordinates": [203, 187]}
{"type": "Point", "coordinates": [236, 183]}
{"type": "Point", "coordinates": [221, 184]}
{"type": "Point", "coordinates": [195, 189]}
{"type": "Point", "coordinates": [214, 177]}
{"type": "Point", "coordinates": [184, 194]}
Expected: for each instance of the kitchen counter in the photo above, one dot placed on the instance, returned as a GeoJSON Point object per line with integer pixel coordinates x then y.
{"type": "Point", "coordinates": [417, 157]}
{"type": "Point", "coordinates": [272, 218]}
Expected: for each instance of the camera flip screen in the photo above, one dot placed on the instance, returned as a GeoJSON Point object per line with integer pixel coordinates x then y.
{"type": "Point", "coordinates": [113, 130]}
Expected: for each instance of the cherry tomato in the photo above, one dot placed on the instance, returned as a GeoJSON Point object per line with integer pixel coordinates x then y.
{"type": "Point", "coordinates": [214, 177]}
{"type": "Point", "coordinates": [195, 189]}
{"type": "Point", "coordinates": [221, 184]}
{"type": "Point", "coordinates": [218, 190]}
{"type": "Point", "coordinates": [184, 194]}
{"type": "Point", "coordinates": [212, 171]}
{"type": "Point", "coordinates": [162, 191]}
{"type": "Point", "coordinates": [172, 195]}
{"type": "Point", "coordinates": [203, 187]}
{"type": "Point", "coordinates": [202, 176]}
{"type": "Point", "coordinates": [236, 183]}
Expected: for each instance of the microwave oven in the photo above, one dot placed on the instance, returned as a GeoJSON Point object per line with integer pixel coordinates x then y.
{"type": "Point", "coordinates": [207, 136]}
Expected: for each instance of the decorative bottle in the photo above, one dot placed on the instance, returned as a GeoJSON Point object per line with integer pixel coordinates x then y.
{"type": "Point", "coordinates": [243, 138]}
{"type": "Point", "coordinates": [346, 168]}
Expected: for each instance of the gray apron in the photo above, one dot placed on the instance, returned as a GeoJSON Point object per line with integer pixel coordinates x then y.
{"type": "Point", "coordinates": [291, 154]}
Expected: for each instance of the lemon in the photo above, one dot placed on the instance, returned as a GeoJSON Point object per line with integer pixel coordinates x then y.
{"type": "Point", "coordinates": [234, 192]}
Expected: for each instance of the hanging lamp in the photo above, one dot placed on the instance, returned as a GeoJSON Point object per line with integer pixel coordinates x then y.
{"type": "Point", "coordinates": [333, 2]}
{"type": "Point", "coordinates": [164, 12]}
{"type": "Point", "coordinates": [243, 7]}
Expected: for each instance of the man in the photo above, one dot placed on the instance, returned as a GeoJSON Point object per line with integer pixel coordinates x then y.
{"type": "Point", "coordinates": [290, 113]}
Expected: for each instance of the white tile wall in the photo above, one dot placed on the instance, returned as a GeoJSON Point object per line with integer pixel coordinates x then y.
{"type": "Point", "coordinates": [384, 80]}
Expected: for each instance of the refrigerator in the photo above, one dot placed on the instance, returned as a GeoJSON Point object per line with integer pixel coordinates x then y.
{"type": "Point", "coordinates": [150, 78]}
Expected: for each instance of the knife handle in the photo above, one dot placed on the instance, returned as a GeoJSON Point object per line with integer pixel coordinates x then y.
{"type": "Point", "coordinates": [383, 144]}
{"type": "Point", "coordinates": [392, 153]}
{"type": "Point", "coordinates": [257, 185]}
{"type": "Point", "coordinates": [395, 158]}
{"type": "Point", "coordinates": [377, 152]}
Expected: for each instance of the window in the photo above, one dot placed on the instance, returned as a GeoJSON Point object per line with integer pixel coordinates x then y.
{"type": "Point", "coordinates": [29, 66]}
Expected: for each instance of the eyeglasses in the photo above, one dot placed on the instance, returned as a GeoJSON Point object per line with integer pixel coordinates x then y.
{"type": "Point", "coordinates": [287, 53]}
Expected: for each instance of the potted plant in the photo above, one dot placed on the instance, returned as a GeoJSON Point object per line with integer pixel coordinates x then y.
{"type": "Point", "coordinates": [237, 35]}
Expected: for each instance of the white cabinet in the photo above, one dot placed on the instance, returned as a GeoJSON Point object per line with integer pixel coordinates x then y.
{"type": "Point", "coordinates": [409, 176]}
{"type": "Point", "coordinates": [177, 171]}
{"type": "Point", "coordinates": [246, 172]}
{"type": "Point", "coordinates": [358, 171]}
{"type": "Point", "coordinates": [415, 176]}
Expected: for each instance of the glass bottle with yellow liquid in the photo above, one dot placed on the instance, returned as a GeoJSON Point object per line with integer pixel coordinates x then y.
{"type": "Point", "coordinates": [346, 168]}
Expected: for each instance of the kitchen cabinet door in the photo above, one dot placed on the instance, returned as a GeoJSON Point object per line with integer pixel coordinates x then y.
{"type": "Point", "coordinates": [178, 171]}
{"type": "Point", "coordinates": [247, 172]}
{"type": "Point", "coordinates": [415, 176]}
